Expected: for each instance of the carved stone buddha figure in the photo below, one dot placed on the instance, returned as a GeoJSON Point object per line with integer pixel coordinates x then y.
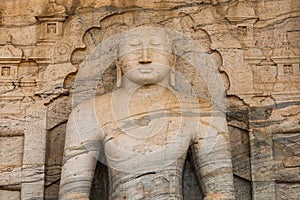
{"type": "Point", "coordinates": [143, 130]}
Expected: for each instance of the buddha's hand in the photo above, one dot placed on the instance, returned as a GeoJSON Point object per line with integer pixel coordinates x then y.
{"type": "Point", "coordinates": [218, 196]}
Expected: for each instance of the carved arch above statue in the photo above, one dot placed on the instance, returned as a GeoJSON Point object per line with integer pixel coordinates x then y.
{"type": "Point", "coordinates": [205, 26]}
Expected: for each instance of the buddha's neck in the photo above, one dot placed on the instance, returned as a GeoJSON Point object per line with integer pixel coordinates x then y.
{"type": "Point", "coordinates": [150, 91]}
{"type": "Point", "coordinates": [145, 91]}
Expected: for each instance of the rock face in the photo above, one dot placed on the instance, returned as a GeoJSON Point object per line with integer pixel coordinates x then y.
{"type": "Point", "coordinates": [239, 57]}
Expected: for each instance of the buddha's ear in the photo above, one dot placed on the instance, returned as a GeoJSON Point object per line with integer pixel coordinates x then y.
{"type": "Point", "coordinates": [173, 60]}
{"type": "Point", "coordinates": [172, 70]}
{"type": "Point", "coordinates": [119, 73]}
{"type": "Point", "coordinates": [172, 78]}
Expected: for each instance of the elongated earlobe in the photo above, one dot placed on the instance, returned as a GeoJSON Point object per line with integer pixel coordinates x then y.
{"type": "Point", "coordinates": [172, 77]}
{"type": "Point", "coordinates": [119, 77]}
{"type": "Point", "coordinates": [172, 71]}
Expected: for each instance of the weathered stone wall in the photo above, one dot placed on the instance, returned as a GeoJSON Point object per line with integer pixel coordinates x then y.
{"type": "Point", "coordinates": [255, 44]}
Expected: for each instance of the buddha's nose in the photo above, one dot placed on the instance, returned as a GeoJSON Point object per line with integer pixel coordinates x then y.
{"type": "Point", "coordinates": [145, 57]}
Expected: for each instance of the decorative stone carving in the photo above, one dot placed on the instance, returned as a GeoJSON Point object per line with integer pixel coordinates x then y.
{"type": "Point", "coordinates": [62, 52]}
{"type": "Point", "coordinates": [52, 21]}
{"type": "Point", "coordinates": [275, 70]}
{"type": "Point", "coordinates": [264, 72]}
{"type": "Point", "coordinates": [53, 9]}
{"type": "Point", "coordinates": [9, 51]}
{"type": "Point", "coordinates": [28, 74]}
{"type": "Point", "coordinates": [264, 77]}
{"type": "Point", "coordinates": [146, 145]}
{"type": "Point", "coordinates": [243, 17]}
{"type": "Point", "coordinates": [8, 73]}
{"type": "Point", "coordinates": [10, 58]}
{"type": "Point", "coordinates": [287, 59]}
{"type": "Point", "coordinates": [54, 78]}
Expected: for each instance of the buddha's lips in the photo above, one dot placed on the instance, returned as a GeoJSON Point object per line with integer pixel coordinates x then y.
{"type": "Point", "coordinates": [146, 70]}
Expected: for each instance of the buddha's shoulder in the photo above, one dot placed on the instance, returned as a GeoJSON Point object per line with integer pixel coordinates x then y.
{"type": "Point", "coordinates": [200, 102]}
{"type": "Point", "coordinates": [98, 101]}
{"type": "Point", "coordinates": [104, 99]}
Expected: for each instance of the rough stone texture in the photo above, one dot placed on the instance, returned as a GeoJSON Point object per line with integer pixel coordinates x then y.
{"type": "Point", "coordinates": [242, 188]}
{"type": "Point", "coordinates": [255, 45]}
{"type": "Point", "coordinates": [287, 191]}
{"type": "Point", "coordinates": [10, 195]}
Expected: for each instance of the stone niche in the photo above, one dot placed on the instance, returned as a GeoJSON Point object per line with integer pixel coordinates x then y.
{"type": "Point", "coordinates": [254, 47]}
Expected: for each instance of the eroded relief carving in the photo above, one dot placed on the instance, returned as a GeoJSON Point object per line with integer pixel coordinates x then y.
{"type": "Point", "coordinates": [9, 50]}
{"type": "Point", "coordinates": [264, 77]}
{"type": "Point", "coordinates": [5, 71]}
{"type": "Point", "coordinates": [51, 20]}
{"type": "Point", "coordinates": [53, 9]}
{"type": "Point", "coordinates": [10, 59]}
{"type": "Point", "coordinates": [143, 129]}
{"type": "Point", "coordinates": [242, 17]}
{"type": "Point", "coordinates": [287, 59]}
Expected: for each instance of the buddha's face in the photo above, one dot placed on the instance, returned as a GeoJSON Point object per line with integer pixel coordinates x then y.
{"type": "Point", "coordinates": [145, 57]}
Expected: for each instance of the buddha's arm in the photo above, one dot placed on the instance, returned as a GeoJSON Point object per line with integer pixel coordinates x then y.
{"type": "Point", "coordinates": [81, 149]}
{"type": "Point", "coordinates": [212, 159]}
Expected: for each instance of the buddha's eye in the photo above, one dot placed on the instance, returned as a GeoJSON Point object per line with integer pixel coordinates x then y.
{"type": "Point", "coordinates": [156, 41]}
{"type": "Point", "coordinates": [135, 42]}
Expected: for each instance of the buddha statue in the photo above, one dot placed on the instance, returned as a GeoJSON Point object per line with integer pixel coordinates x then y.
{"type": "Point", "coordinates": [143, 130]}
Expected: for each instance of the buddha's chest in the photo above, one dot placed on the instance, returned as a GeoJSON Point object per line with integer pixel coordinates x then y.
{"type": "Point", "coordinates": [146, 141]}
{"type": "Point", "coordinates": [146, 134]}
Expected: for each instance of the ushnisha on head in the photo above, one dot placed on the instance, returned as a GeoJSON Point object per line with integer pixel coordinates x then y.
{"type": "Point", "coordinates": [146, 57]}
